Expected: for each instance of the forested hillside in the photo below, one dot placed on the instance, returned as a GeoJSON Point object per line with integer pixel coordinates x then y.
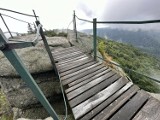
{"type": "Point", "coordinates": [132, 58]}
{"type": "Point", "coordinates": [148, 41]}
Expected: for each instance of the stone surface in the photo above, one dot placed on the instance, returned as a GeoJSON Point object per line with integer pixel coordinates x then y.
{"type": "Point", "coordinates": [35, 58]}
{"type": "Point", "coordinates": [20, 96]}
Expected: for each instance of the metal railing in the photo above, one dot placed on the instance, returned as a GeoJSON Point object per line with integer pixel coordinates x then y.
{"type": "Point", "coordinates": [8, 50]}
{"type": "Point", "coordinates": [95, 42]}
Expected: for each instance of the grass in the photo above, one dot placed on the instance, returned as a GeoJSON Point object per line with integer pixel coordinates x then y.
{"type": "Point", "coordinates": [5, 112]}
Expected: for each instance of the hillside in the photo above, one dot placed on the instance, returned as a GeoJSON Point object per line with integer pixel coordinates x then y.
{"type": "Point", "coordinates": [148, 41]}
{"type": "Point", "coordinates": [132, 58]}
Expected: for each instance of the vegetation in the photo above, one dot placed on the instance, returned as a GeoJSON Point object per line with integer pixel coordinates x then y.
{"type": "Point", "coordinates": [52, 33]}
{"type": "Point", "coordinates": [5, 112]}
{"type": "Point", "coordinates": [130, 57]}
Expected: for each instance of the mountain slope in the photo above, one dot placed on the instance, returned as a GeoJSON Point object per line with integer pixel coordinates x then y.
{"type": "Point", "coordinates": [148, 41]}
{"type": "Point", "coordinates": [132, 58]}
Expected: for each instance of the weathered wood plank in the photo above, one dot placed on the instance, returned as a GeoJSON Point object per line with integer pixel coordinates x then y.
{"type": "Point", "coordinates": [130, 108]}
{"type": "Point", "coordinates": [70, 60]}
{"type": "Point", "coordinates": [64, 50]}
{"type": "Point", "coordinates": [94, 90]}
{"type": "Point", "coordinates": [115, 105]}
{"type": "Point", "coordinates": [86, 79]}
{"type": "Point", "coordinates": [81, 75]}
{"type": "Point", "coordinates": [74, 65]}
{"type": "Point", "coordinates": [80, 71]}
{"type": "Point", "coordinates": [89, 85]}
{"type": "Point", "coordinates": [151, 111]}
{"type": "Point", "coordinates": [92, 75]}
{"type": "Point", "coordinates": [95, 100]}
{"type": "Point", "coordinates": [69, 56]}
{"type": "Point", "coordinates": [108, 101]}
{"type": "Point", "coordinates": [77, 69]}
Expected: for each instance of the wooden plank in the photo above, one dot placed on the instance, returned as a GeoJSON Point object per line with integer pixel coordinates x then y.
{"type": "Point", "coordinates": [87, 79]}
{"type": "Point", "coordinates": [116, 104]}
{"type": "Point", "coordinates": [80, 71]}
{"type": "Point", "coordinates": [77, 69]}
{"type": "Point", "coordinates": [92, 75]}
{"type": "Point", "coordinates": [94, 90]}
{"type": "Point", "coordinates": [95, 100]}
{"type": "Point", "coordinates": [81, 75]}
{"type": "Point", "coordinates": [72, 62]}
{"type": "Point", "coordinates": [74, 65]}
{"type": "Point", "coordinates": [150, 111]}
{"type": "Point", "coordinates": [130, 108]}
{"type": "Point", "coordinates": [68, 56]}
{"type": "Point", "coordinates": [72, 59]}
{"type": "Point", "coordinates": [89, 85]}
{"type": "Point", "coordinates": [108, 101]}
{"type": "Point", "coordinates": [64, 50]}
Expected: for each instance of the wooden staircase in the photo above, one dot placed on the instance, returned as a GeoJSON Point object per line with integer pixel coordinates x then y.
{"type": "Point", "coordinates": [96, 92]}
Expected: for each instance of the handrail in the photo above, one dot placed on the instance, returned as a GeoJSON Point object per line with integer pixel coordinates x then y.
{"type": "Point", "coordinates": [16, 18]}
{"type": "Point", "coordinates": [129, 22]}
{"type": "Point", "coordinates": [18, 12]}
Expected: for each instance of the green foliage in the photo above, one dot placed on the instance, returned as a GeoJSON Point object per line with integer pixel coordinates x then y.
{"type": "Point", "coordinates": [52, 33]}
{"type": "Point", "coordinates": [5, 112]}
{"type": "Point", "coordinates": [132, 58]}
{"type": "Point", "coordinates": [101, 46]}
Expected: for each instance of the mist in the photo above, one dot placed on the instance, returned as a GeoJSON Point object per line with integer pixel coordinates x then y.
{"type": "Point", "coordinates": [124, 10]}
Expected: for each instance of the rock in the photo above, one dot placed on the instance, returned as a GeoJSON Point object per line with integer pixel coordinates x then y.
{"type": "Point", "coordinates": [20, 96]}
{"type": "Point", "coordinates": [36, 58]}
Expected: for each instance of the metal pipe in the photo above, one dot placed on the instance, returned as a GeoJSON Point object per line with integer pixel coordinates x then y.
{"type": "Point", "coordinates": [47, 48]}
{"type": "Point", "coordinates": [6, 25]}
{"type": "Point", "coordinates": [17, 12]}
{"type": "Point", "coordinates": [74, 25]}
{"type": "Point", "coordinates": [95, 38]}
{"type": "Point", "coordinates": [129, 22]}
{"type": "Point", "coordinates": [35, 15]}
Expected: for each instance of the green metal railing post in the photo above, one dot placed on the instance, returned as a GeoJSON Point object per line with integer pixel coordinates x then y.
{"type": "Point", "coordinates": [16, 62]}
{"type": "Point", "coordinates": [95, 38]}
{"type": "Point", "coordinates": [46, 45]}
{"type": "Point", "coordinates": [74, 25]}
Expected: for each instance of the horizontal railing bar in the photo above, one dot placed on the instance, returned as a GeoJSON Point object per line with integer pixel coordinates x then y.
{"type": "Point", "coordinates": [16, 18]}
{"type": "Point", "coordinates": [84, 19]}
{"type": "Point", "coordinates": [18, 12]}
{"type": "Point", "coordinates": [129, 22]}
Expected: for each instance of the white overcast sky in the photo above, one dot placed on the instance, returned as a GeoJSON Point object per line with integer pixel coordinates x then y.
{"type": "Point", "coordinates": [53, 13]}
{"type": "Point", "coordinates": [58, 13]}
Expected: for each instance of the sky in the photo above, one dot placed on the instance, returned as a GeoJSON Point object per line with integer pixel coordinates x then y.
{"type": "Point", "coordinates": [57, 14]}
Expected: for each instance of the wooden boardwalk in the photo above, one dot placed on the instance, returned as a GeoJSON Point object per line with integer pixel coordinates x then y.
{"type": "Point", "coordinates": [96, 92]}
